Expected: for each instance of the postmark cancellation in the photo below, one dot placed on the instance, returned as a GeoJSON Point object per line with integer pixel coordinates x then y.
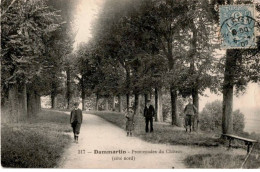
{"type": "Point", "coordinates": [237, 26]}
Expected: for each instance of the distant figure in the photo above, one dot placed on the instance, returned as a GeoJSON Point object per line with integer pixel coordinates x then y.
{"type": "Point", "coordinates": [189, 111]}
{"type": "Point", "coordinates": [129, 122]}
{"type": "Point", "coordinates": [76, 120]}
{"type": "Point", "coordinates": [149, 113]}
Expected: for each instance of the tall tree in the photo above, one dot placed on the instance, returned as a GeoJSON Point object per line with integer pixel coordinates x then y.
{"type": "Point", "coordinates": [85, 71]}
{"type": "Point", "coordinates": [199, 59]}
{"type": "Point", "coordinates": [114, 52]}
{"type": "Point", "coordinates": [166, 20]}
{"type": "Point", "coordinates": [66, 37]}
{"type": "Point", "coordinates": [240, 67]}
{"type": "Point", "coordinates": [26, 27]}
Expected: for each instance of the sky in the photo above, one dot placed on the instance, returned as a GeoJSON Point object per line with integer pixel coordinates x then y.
{"type": "Point", "coordinates": [248, 104]}
{"type": "Point", "coordinates": [249, 100]}
{"type": "Point", "coordinates": [86, 13]}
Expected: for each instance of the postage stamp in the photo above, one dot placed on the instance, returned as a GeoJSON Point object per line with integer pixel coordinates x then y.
{"type": "Point", "coordinates": [237, 26]}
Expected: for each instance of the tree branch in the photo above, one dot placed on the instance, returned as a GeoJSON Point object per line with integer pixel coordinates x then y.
{"type": "Point", "coordinates": [7, 8]}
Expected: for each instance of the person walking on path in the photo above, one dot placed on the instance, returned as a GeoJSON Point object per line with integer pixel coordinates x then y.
{"type": "Point", "coordinates": [149, 115]}
{"type": "Point", "coordinates": [76, 120]}
{"type": "Point", "coordinates": [129, 122]}
{"type": "Point", "coordinates": [190, 111]}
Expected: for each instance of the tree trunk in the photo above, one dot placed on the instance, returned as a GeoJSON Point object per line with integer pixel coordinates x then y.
{"type": "Point", "coordinates": [145, 99]}
{"type": "Point", "coordinates": [106, 104]}
{"type": "Point", "coordinates": [158, 105]}
{"type": "Point", "coordinates": [38, 103]}
{"type": "Point", "coordinates": [195, 98]}
{"type": "Point", "coordinates": [31, 103]}
{"type": "Point", "coordinates": [230, 68]}
{"type": "Point", "coordinates": [113, 103]}
{"type": "Point", "coordinates": [139, 104]}
{"type": "Point", "coordinates": [96, 107]}
{"type": "Point", "coordinates": [68, 93]}
{"type": "Point", "coordinates": [127, 102]}
{"type": "Point", "coordinates": [120, 103]}
{"type": "Point", "coordinates": [53, 101]}
{"type": "Point", "coordinates": [127, 87]}
{"type": "Point", "coordinates": [83, 104]}
{"type": "Point", "coordinates": [53, 94]}
{"type": "Point", "coordinates": [12, 105]}
{"type": "Point", "coordinates": [175, 116]}
{"type": "Point", "coordinates": [83, 95]}
{"type": "Point", "coordinates": [22, 97]}
{"type": "Point", "coordinates": [149, 96]}
{"type": "Point", "coordinates": [136, 104]}
{"type": "Point", "coordinates": [227, 119]}
{"type": "Point", "coordinates": [35, 105]}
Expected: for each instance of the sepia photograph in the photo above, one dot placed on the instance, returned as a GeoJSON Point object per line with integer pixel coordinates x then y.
{"type": "Point", "coordinates": [130, 84]}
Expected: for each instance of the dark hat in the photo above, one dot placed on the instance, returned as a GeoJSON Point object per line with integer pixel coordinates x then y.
{"type": "Point", "coordinates": [76, 104]}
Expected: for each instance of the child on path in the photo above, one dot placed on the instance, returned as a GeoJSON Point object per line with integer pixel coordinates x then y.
{"type": "Point", "coordinates": [129, 121]}
{"type": "Point", "coordinates": [75, 121]}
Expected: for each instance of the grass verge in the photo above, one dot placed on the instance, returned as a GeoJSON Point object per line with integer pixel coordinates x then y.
{"type": "Point", "coordinates": [36, 143]}
{"type": "Point", "coordinates": [162, 133]}
{"type": "Point", "coordinates": [221, 160]}
{"type": "Point", "coordinates": [173, 135]}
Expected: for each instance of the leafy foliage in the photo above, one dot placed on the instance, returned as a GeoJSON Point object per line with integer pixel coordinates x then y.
{"type": "Point", "coordinates": [167, 107]}
{"type": "Point", "coordinates": [211, 118]}
{"type": "Point", "coordinates": [27, 28]}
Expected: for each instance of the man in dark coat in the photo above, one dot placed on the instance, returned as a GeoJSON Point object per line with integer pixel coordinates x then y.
{"type": "Point", "coordinates": [149, 113]}
{"type": "Point", "coordinates": [76, 120]}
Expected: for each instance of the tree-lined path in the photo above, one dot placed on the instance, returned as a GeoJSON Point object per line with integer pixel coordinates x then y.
{"type": "Point", "coordinates": [98, 134]}
{"type": "Point", "coordinates": [135, 53]}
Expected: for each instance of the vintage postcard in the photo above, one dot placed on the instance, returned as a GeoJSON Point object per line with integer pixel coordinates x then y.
{"type": "Point", "coordinates": [130, 84]}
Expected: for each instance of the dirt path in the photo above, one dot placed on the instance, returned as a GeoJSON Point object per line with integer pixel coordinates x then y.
{"type": "Point", "coordinates": [98, 134]}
